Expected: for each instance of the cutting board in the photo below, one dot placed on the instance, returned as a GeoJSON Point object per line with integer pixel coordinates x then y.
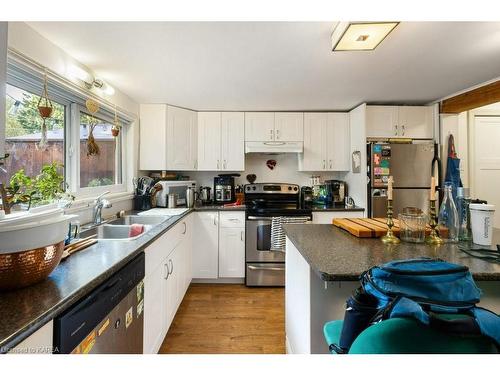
{"type": "Point", "coordinates": [369, 228]}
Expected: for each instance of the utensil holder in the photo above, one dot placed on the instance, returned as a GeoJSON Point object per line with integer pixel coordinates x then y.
{"type": "Point", "coordinates": [142, 202]}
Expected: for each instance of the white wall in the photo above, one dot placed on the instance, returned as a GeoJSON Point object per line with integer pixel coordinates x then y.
{"type": "Point", "coordinates": [357, 182]}
{"type": "Point", "coordinates": [3, 67]}
{"type": "Point", "coordinates": [284, 172]}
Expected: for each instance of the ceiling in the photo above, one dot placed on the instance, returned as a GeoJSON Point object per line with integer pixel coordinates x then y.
{"type": "Point", "coordinates": [279, 65]}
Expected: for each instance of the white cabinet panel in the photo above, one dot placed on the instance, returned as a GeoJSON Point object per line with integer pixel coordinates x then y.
{"type": "Point", "coordinates": [233, 141]}
{"type": "Point", "coordinates": [382, 121]}
{"type": "Point", "coordinates": [153, 137]}
{"type": "Point", "coordinates": [288, 126]}
{"type": "Point", "coordinates": [259, 126]}
{"type": "Point", "coordinates": [209, 141]}
{"type": "Point", "coordinates": [181, 139]}
{"type": "Point", "coordinates": [232, 252]}
{"type": "Point", "coordinates": [314, 155]}
{"type": "Point", "coordinates": [338, 142]}
{"type": "Point", "coordinates": [416, 121]}
{"type": "Point", "coordinates": [155, 310]}
{"type": "Point", "coordinates": [205, 245]}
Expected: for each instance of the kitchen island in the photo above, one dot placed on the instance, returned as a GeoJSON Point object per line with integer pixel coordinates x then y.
{"type": "Point", "coordinates": [323, 265]}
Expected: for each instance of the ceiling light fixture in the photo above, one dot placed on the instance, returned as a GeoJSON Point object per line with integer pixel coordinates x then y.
{"type": "Point", "coordinates": [89, 81]}
{"type": "Point", "coordinates": [360, 36]}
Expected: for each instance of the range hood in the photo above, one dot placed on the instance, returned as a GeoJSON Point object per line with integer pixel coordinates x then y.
{"type": "Point", "coordinates": [274, 147]}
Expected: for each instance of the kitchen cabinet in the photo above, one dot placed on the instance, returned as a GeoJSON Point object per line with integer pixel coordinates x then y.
{"type": "Point", "coordinates": [400, 121]}
{"type": "Point", "coordinates": [39, 342]}
{"type": "Point", "coordinates": [259, 126]}
{"type": "Point", "coordinates": [274, 126]}
{"type": "Point", "coordinates": [166, 280]}
{"type": "Point", "coordinates": [326, 142]}
{"type": "Point", "coordinates": [168, 138]}
{"type": "Point", "coordinates": [288, 126]}
{"type": "Point", "coordinates": [221, 138]}
{"type": "Point", "coordinates": [205, 245]}
{"type": "Point", "coordinates": [232, 244]}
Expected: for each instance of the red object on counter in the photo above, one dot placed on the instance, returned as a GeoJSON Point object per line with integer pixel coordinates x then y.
{"type": "Point", "coordinates": [135, 230]}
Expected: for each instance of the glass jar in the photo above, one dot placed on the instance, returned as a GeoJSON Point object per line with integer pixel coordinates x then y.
{"type": "Point", "coordinates": [412, 224]}
{"type": "Point", "coordinates": [448, 216]}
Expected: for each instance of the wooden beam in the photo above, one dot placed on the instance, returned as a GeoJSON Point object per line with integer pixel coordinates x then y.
{"type": "Point", "coordinates": [479, 97]}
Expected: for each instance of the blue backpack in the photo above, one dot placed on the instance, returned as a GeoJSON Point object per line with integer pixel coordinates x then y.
{"type": "Point", "coordinates": [421, 289]}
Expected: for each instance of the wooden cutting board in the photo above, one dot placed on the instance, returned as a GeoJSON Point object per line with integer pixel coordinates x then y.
{"type": "Point", "coordinates": [369, 228]}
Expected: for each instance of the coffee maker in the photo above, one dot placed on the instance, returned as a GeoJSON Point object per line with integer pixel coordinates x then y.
{"type": "Point", "coordinates": [224, 188]}
{"type": "Point", "coordinates": [337, 191]}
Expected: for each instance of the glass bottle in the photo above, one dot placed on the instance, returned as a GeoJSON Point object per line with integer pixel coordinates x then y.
{"type": "Point", "coordinates": [448, 216]}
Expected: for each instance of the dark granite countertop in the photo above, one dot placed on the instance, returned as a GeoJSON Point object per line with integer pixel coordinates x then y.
{"type": "Point", "coordinates": [336, 255]}
{"type": "Point", "coordinates": [336, 208]}
{"type": "Point", "coordinates": [25, 310]}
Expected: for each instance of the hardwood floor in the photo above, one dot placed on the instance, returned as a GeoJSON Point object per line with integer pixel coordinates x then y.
{"type": "Point", "coordinates": [215, 318]}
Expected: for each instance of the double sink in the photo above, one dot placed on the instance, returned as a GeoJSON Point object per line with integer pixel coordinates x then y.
{"type": "Point", "coordinates": [121, 228]}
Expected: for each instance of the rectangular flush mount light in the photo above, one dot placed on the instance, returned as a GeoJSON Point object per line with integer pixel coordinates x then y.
{"type": "Point", "coordinates": [362, 36]}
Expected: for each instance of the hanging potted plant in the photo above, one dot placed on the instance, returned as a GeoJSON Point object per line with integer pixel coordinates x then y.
{"type": "Point", "coordinates": [45, 109]}
{"type": "Point", "coordinates": [92, 146]}
{"type": "Point", "coordinates": [115, 129]}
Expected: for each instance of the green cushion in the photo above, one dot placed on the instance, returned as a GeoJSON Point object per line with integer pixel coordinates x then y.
{"type": "Point", "coordinates": [407, 336]}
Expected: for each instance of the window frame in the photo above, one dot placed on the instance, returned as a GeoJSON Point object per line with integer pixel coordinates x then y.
{"type": "Point", "coordinates": [30, 79]}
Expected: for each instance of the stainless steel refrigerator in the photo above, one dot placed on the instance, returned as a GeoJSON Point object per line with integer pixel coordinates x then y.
{"type": "Point", "coordinates": [410, 165]}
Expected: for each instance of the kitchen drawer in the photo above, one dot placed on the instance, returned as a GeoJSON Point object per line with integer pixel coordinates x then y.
{"type": "Point", "coordinates": [265, 274]}
{"type": "Point", "coordinates": [232, 219]}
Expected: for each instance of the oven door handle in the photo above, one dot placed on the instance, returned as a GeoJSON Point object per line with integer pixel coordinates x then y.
{"type": "Point", "coordinates": [259, 218]}
{"type": "Point", "coordinates": [266, 268]}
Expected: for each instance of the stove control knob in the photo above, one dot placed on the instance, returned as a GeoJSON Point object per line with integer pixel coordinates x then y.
{"type": "Point", "coordinates": [254, 188]}
{"type": "Point", "coordinates": [289, 188]}
{"type": "Point", "coordinates": [248, 187]}
{"type": "Point", "coordinates": [295, 188]}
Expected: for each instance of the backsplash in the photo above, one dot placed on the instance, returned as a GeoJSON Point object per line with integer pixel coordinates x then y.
{"type": "Point", "coordinates": [285, 171]}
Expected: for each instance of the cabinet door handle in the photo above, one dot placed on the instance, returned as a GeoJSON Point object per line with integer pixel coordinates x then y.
{"type": "Point", "coordinates": [215, 222]}
{"type": "Point", "coordinates": [185, 227]}
{"type": "Point", "coordinates": [331, 164]}
{"type": "Point", "coordinates": [218, 164]}
{"type": "Point", "coordinates": [396, 131]}
{"type": "Point", "coordinates": [241, 236]}
{"type": "Point", "coordinates": [225, 164]}
{"type": "Point", "coordinates": [277, 134]}
{"type": "Point", "coordinates": [172, 263]}
{"type": "Point", "coordinates": [403, 129]}
{"type": "Point", "coordinates": [324, 164]}
{"type": "Point", "coordinates": [168, 271]}
{"type": "Point", "coordinates": [272, 133]}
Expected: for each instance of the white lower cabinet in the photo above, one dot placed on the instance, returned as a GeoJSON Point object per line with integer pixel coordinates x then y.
{"type": "Point", "coordinates": [205, 245]}
{"type": "Point", "coordinates": [167, 278]}
{"type": "Point", "coordinates": [232, 252]}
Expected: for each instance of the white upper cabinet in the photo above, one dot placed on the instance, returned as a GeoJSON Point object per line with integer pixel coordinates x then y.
{"type": "Point", "coordinates": [233, 141]}
{"type": "Point", "coordinates": [288, 126]}
{"type": "Point", "coordinates": [181, 139]}
{"type": "Point", "coordinates": [209, 141]}
{"type": "Point", "coordinates": [326, 142]}
{"type": "Point", "coordinates": [221, 141]}
{"type": "Point", "coordinates": [416, 121]}
{"type": "Point", "coordinates": [338, 142]}
{"type": "Point", "coordinates": [259, 126]}
{"type": "Point", "coordinates": [153, 137]}
{"type": "Point", "coordinates": [382, 121]}
{"type": "Point", "coordinates": [168, 138]}
{"type": "Point", "coordinates": [399, 121]}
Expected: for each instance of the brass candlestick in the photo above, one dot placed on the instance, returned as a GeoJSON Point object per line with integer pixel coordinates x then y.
{"type": "Point", "coordinates": [433, 238]}
{"type": "Point", "coordinates": [389, 238]}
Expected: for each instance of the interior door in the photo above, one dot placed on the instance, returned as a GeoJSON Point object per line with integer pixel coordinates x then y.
{"type": "Point", "coordinates": [486, 170]}
{"type": "Point", "coordinates": [209, 141]}
{"type": "Point", "coordinates": [233, 141]}
{"type": "Point", "coordinates": [289, 126]}
{"type": "Point", "coordinates": [314, 156]}
{"type": "Point", "coordinates": [259, 126]}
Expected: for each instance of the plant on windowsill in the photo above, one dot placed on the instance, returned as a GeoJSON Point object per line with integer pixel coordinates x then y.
{"type": "Point", "coordinates": [45, 188]}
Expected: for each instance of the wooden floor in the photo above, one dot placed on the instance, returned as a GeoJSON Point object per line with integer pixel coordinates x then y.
{"type": "Point", "coordinates": [215, 318]}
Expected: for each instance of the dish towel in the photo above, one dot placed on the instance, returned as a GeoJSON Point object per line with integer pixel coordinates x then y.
{"type": "Point", "coordinates": [278, 239]}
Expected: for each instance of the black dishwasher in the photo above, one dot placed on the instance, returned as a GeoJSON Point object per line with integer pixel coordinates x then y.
{"type": "Point", "coordinates": [108, 320]}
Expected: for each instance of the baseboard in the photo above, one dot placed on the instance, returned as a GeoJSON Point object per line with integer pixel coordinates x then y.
{"type": "Point", "coordinates": [288, 348]}
{"type": "Point", "coordinates": [227, 280]}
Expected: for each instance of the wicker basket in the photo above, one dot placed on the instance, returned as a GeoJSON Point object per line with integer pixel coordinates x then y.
{"type": "Point", "coordinates": [24, 268]}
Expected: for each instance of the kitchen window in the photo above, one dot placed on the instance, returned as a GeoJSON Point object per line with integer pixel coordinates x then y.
{"type": "Point", "coordinates": [68, 127]}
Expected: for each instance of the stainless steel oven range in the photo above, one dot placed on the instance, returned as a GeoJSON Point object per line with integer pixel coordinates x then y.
{"type": "Point", "coordinates": [264, 201]}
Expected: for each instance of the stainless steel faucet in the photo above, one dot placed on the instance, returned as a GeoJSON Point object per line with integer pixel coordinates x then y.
{"type": "Point", "coordinates": [99, 204]}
